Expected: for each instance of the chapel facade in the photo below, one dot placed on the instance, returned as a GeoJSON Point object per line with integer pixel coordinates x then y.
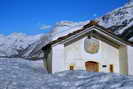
{"type": "Point", "coordinates": [92, 48]}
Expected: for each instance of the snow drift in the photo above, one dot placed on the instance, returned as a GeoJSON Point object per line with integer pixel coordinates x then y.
{"type": "Point", "coordinates": [24, 74]}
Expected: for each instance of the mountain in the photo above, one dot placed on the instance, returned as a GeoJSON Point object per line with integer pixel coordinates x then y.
{"type": "Point", "coordinates": [120, 21]}
{"type": "Point", "coordinates": [14, 44]}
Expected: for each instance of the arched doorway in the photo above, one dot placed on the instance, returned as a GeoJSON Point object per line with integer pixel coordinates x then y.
{"type": "Point", "coordinates": [92, 66]}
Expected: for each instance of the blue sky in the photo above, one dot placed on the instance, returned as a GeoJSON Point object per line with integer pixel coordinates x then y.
{"type": "Point", "coordinates": [28, 16]}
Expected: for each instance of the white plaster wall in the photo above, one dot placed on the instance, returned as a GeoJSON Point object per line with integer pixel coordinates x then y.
{"type": "Point", "coordinates": [130, 59]}
{"type": "Point", "coordinates": [75, 54]}
{"type": "Point", "coordinates": [58, 58]}
{"type": "Point", "coordinates": [109, 55]}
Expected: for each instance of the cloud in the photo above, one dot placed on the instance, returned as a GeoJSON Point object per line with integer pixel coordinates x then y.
{"type": "Point", "coordinates": [43, 27]}
{"type": "Point", "coordinates": [94, 15]}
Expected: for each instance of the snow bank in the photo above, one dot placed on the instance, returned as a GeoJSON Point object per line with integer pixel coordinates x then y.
{"type": "Point", "coordinates": [24, 74]}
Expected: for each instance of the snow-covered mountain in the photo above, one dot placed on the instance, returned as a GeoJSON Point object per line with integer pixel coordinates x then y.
{"type": "Point", "coordinates": [15, 44]}
{"type": "Point", "coordinates": [120, 21]}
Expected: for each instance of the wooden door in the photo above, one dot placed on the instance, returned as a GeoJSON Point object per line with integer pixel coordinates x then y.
{"type": "Point", "coordinates": [92, 66]}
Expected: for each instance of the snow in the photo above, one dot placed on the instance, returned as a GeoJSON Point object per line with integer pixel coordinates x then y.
{"type": "Point", "coordinates": [131, 39]}
{"type": "Point", "coordinates": [15, 43]}
{"type": "Point", "coordinates": [65, 27]}
{"type": "Point", "coordinates": [24, 74]}
{"type": "Point", "coordinates": [17, 73]}
{"type": "Point", "coordinates": [124, 28]}
{"type": "Point", "coordinates": [119, 19]}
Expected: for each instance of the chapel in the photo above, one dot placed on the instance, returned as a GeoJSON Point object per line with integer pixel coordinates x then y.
{"type": "Point", "coordinates": [92, 48]}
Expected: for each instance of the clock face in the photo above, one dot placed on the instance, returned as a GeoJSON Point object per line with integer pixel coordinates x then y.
{"type": "Point", "coordinates": [91, 45]}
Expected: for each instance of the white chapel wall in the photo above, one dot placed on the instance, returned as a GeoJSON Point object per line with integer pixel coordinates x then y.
{"type": "Point", "coordinates": [58, 58]}
{"type": "Point", "coordinates": [75, 54]}
{"type": "Point", "coordinates": [109, 55]}
{"type": "Point", "coordinates": [130, 59]}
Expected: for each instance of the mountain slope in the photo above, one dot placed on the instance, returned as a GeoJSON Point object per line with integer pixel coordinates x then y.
{"type": "Point", "coordinates": [120, 21]}
{"type": "Point", "coordinates": [14, 45]}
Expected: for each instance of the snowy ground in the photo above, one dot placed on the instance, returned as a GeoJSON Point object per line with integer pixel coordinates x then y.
{"type": "Point", "coordinates": [24, 74]}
